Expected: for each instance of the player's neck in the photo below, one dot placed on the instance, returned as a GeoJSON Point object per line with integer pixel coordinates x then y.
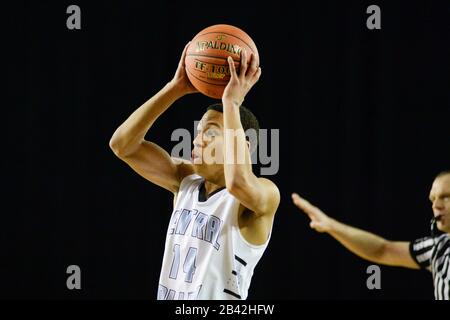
{"type": "Point", "coordinates": [210, 187]}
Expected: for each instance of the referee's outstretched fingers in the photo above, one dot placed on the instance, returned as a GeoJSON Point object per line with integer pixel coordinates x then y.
{"type": "Point", "coordinates": [319, 220]}
{"type": "Point", "coordinates": [303, 204]}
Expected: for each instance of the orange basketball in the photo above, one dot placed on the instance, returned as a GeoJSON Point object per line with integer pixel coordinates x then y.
{"type": "Point", "coordinates": [206, 57]}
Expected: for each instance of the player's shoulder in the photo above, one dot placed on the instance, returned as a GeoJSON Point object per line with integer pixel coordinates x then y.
{"type": "Point", "coordinates": [190, 178]}
{"type": "Point", "coordinates": [187, 185]}
{"type": "Point", "coordinates": [272, 192]}
{"type": "Point", "coordinates": [267, 183]}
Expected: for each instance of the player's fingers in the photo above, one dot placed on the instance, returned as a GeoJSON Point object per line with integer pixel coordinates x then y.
{"type": "Point", "coordinates": [257, 75]}
{"type": "Point", "coordinates": [243, 65]}
{"type": "Point", "coordinates": [253, 65]}
{"type": "Point", "coordinates": [232, 67]}
{"type": "Point", "coordinates": [183, 54]}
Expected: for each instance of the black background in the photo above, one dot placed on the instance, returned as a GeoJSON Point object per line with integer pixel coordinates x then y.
{"type": "Point", "coordinates": [364, 127]}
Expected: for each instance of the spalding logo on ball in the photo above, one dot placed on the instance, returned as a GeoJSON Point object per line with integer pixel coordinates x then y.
{"type": "Point", "coordinates": [206, 57]}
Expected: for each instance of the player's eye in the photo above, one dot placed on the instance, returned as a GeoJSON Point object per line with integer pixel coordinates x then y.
{"type": "Point", "coordinates": [211, 133]}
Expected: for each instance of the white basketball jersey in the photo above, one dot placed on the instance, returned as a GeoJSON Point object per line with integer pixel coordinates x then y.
{"type": "Point", "coordinates": [205, 256]}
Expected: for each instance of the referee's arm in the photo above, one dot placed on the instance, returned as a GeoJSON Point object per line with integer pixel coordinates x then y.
{"type": "Point", "coordinates": [362, 243]}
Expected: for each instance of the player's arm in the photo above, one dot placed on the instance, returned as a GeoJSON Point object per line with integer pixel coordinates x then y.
{"type": "Point", "coordinates": [362, 243]}
{"type": "Point", "coordinates": [259, 195]}
{"type": "Point", "coordinates": [145, 157]}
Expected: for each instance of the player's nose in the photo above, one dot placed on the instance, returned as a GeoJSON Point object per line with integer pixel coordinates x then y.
{"type": "Point", "coordinates": [198, 141]}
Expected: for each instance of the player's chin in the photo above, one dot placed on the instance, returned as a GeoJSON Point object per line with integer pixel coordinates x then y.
{"type": "Point", "coordinates": [444, 225]}
{"type": "Point", "coordinates": [207, 171]}
{"type": "Point", "coordinates": [199, 167]}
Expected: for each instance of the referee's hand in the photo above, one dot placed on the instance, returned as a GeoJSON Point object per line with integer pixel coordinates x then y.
{"type": "Point", "coordinates": [319, 220]}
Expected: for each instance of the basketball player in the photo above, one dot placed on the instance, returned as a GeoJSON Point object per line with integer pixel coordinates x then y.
{"type": "Point", "coordinates": [431, 252]}
{"type": "Point", "coordinates": [223, 214]}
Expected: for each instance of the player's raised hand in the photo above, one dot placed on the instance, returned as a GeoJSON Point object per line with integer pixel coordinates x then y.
{"type": "Point", "coordinates": [180, 79]}
{"type": "Point", "coordinates": [241, 82]}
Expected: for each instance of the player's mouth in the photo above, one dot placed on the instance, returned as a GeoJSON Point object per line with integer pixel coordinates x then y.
{"type": "Point", "coordinates": [194, 156]}
{"type": "Point", "coordinates": [439, 217]}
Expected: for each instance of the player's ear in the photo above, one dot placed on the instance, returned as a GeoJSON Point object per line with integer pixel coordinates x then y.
{"type": "Point", "coordinates": [251, 147]}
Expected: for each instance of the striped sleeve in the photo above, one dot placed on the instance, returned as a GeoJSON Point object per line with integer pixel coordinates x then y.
{"type": "Point", "coordinates": [421, 250]}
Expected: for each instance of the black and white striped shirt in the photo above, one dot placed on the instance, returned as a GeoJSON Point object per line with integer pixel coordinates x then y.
{"type": "Point", "coordinates": [433, 254]}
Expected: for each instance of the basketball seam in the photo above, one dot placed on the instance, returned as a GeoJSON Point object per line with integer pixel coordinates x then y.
{"type": "Point", "coordinates": [207, 56]}
{"type": "Point", "coordinates": [214, 84]}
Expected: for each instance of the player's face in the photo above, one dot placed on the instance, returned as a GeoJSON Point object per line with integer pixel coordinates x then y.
{"type": "Point", "coordinates": [440, 199]}
{"type": "Point", "coordinates": [207, 154]}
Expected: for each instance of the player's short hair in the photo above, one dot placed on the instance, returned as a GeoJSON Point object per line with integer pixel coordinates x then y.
{"type": "Point", "coordinates": [442, 173]}
{"type": "Point", "coordinates": [248, 119]}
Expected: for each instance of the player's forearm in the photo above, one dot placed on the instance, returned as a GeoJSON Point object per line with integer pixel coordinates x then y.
{"type": "Point", "coordinates": [362, 243]}
{"type": "Point", "coordinates": [237, 165]}
{"type": "Point", "coordinates": [133, 130]}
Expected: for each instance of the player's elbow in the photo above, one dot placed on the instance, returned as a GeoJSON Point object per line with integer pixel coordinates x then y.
{"type": "Point", "coordinates": [117, 145]}
{"type": "Point", "coordinates": [114, 145]}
